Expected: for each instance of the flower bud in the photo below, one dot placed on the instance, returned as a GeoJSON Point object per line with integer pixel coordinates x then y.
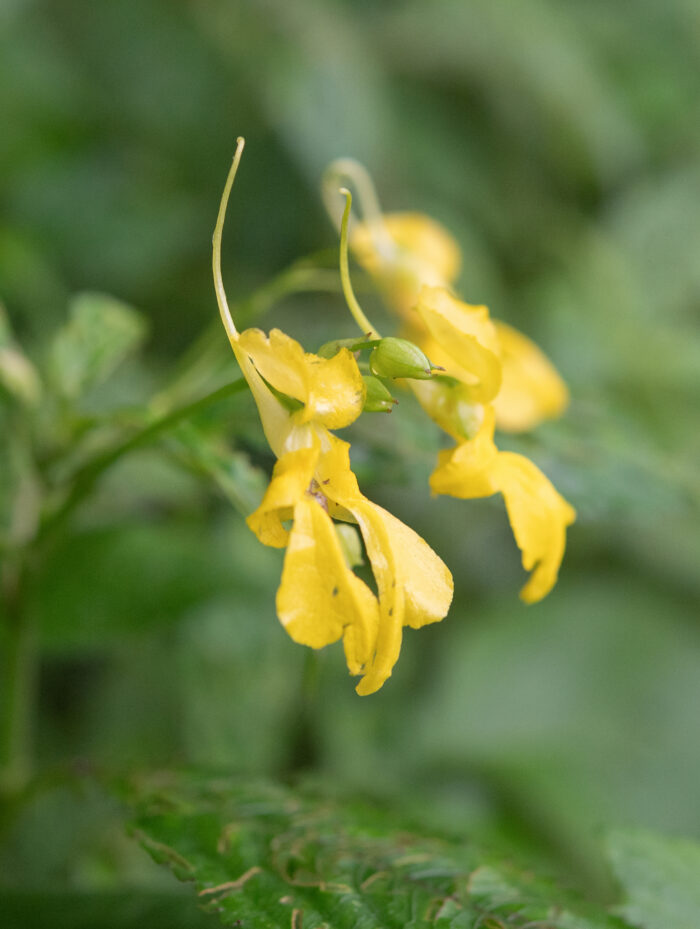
{"type": "Point", "coordinates": [377, 399]}
{"type": "Point", "coordinates": [399, 358]}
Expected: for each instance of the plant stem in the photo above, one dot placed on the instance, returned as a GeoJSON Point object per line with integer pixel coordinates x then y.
{"type": "Point", "coordinates": [358, 314]}
{"type": "Point", "coordinates": [86, 478]}
{"type": "Point", "coordinates": [19, 691]}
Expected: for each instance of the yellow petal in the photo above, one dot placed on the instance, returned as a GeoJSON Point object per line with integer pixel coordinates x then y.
{"type": "Point", "coordinates": [276, 420]}
{"type": "Point", "coordinates": [451, 407]}
{"type": "Point", "coordinates": [422, 245]}
{"type": "Point", "coordinates": [382, 558]}
{"type": "Point", "coordinates": [331, 389]}
{"type": "Point", "coordinates": [538, 517]}
{"type": "Point", "coordinates": [336, 390]}
{"type": "Point", "coordinates": [426, 580]}
{"type": "Point", "coordinates": [531, 389]}
{"type": "Point", "coordinates": [290, 480]}
{"type": "Point", "coordinates": [467, 337]}
{"type": "Point", "coordinates": [279, 359]}
{"type": "Point", "coordinates": [320, 599]}
{"type": "Point", "coordinates": [465, 470]}
{"type": "Point", "coordinates": [414, 585]}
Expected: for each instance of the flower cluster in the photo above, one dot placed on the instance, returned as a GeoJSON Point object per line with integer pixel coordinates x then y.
{"type": "Point", "coordinates": [301, 397]}
{"type": "Point", "coordinates": [489, 375]}
{"type": "Point", "coordinates": [494, 377]}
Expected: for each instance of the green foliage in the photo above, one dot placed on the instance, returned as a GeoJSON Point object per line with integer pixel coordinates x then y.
{"type": "Point", "coordinates": [269, 856]}
{"type": "Point", "coordinates": [559, 142]}
{"type": "Point", "coordinates": [660, 877]}
{"type": "Point", "coordinates": [98, 336]}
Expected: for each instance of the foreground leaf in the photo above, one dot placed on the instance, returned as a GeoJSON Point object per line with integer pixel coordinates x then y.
{"type": "Point", "coordinates": [661, 879]}
{"type": "Point", "coordinates": [268, 856]}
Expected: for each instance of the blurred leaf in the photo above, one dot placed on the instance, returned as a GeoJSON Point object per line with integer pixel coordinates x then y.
{"type": "Point", "coordinates": [17, 374]}
{"type": "Point", "coordinates": [240, 482]}
{"type": "Point", "coordinates": [140, 575]}
{"type": "Point", "coordinates": [268, 856]}
{"type": "Point", "coordinates": [100, 333]}
{"type": "Point", "coordinates": [660, 876]}
{"type": "Point", "coordinates": [20, 494]}
{"type": "Point", "coordinates": [125, 909]}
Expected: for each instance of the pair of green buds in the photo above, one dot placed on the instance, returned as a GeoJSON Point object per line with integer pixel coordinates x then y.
{"type": "Point", "coordinates": [389, 358]}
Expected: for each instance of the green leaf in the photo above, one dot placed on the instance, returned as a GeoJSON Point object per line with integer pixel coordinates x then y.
{"type": "Point", "coordinates": [660, 876]}
{"type": "Point", "coordinates": [268, 856]}
{"type": "Point", "coordinates": [100, 333]}
{"type": "Point", "coordinates": [18, 375]}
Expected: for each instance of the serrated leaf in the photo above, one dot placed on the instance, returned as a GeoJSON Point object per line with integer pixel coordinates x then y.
{"type": "Point", "coordinates": [660, 876]}
{"type": "Point", "coordinates": [99, 334]}
{"type": "Point", "coordinates": [269, 856]}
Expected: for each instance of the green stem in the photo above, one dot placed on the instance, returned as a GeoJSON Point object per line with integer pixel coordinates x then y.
{"type": "Point", "coordinates": [357, 312]}
{"type": "Point", "coordinates": [86, 478]}
{"type": "Point", "coordinates": [19, 690]}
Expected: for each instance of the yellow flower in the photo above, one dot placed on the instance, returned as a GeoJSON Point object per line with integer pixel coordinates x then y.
{"type": "Point", "coordinates": [493, 376]}
{"type": "Point", "coordinates": [300, 397]}
{"type": "Point", "coordinates": [538, 514]}
{"type": "Point", "coordinates": [462, 340]}
{"type": "Point", "coordinates": [320, 599]}
{"type": "Point", "coordinates": [403, 250]}
{"type": "Point", "coordinates": [406, 251]}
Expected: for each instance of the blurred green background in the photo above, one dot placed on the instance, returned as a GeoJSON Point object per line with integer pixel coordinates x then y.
{"type": "Point", "coordinates": [560, 142]}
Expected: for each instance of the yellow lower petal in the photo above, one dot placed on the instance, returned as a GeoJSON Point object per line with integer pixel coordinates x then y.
{"type": "Point", "coordinates": [465, 470]}
{"type": "Point", "coordinates": [413, 584]}
{"type": "Point", "coordinates": [290, 480]}
{"type": "Point", "coordinates": [382, 557]}
{"type": "Point", "coordinates": [538, 516]}
{"type": "Point", "coordinates": [425, 579]}
{"type": "Point", "coordinates": [320, 599]}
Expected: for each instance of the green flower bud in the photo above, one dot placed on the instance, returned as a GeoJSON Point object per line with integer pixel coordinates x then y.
{"type": "Point", "coordinates": [350, 543]}
{"type": "Point", "coordinates": [378, 399]}
{"type": "Point", "coordinates": [399, 358]}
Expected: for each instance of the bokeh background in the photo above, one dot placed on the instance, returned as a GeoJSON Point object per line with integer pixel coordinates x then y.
{"type": "Point", "coordinates": [560, 142]}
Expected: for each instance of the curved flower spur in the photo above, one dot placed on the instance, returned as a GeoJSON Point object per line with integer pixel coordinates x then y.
{"type": "Point", "coordinates": [493, 375]}
{"type": "Point", "coordinates": [300, 398]}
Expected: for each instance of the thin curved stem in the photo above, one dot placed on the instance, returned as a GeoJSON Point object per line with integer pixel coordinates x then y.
{"type": "Point", "coordinates": [226, 317]}
{"type": "Point", "coordinates": [354, 307]}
